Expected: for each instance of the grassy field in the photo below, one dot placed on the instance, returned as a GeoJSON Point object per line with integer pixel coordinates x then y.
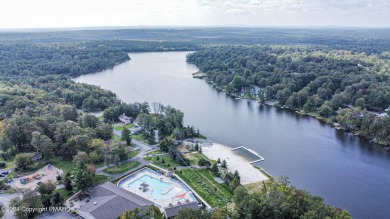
{"type": "Point", "coordinates": [119, 127]}
{"type": "Point", "coordinates": [10, 164]}
{"type": "Point", "coordinates": [195, 157]}
{"type": "Point", "coordinates": [64, 193]}
{"type": "Point", "coordinates": [116, 137]}
{"type": "Point", "coordinates": [167, 164]}
{"type": "Point", "coordinates": [123, 168]}
{"type": "Point", "coordinates": [99, 179]}
{"type": "Point", "coordinates": [155, 152]}
{"type": "Point", "coordinates": [202, 181]}
{"type": "Point", "coordinates": [138, 137]}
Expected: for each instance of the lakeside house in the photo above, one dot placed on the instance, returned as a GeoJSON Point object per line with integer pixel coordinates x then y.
{"type": "Point", "coordinates": [125, 119]}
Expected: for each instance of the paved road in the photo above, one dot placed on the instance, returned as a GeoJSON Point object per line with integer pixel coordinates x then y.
{"type": "Point", "coordinates": [5, 199]}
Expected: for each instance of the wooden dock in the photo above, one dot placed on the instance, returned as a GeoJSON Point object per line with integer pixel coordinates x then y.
{"type": "Point", "coordinates": [252, 152]}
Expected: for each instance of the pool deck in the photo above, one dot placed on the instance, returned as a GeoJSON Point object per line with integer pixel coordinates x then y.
{"type": "Point", "coordinates": [174, 185]}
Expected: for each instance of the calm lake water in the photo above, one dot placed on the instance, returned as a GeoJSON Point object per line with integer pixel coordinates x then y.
{"type": "Point", "coordinates": [345, 171]}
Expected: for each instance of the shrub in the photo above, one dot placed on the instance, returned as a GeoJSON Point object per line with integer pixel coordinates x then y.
{"type": "Point", "coordinates": [203, 162]}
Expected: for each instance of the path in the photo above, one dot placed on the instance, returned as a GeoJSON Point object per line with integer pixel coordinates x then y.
{"type": "Point", "coordinates": [144, 149]}
{"type": "Point", "coordinates": [134, 159]}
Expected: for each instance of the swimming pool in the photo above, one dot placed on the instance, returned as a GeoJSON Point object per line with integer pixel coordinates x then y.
{"type": "Point", "coordinates": [160, 190]}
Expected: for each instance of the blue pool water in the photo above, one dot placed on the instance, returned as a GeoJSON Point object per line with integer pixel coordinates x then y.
{"type": "Point", "coordinates": [158, 187]}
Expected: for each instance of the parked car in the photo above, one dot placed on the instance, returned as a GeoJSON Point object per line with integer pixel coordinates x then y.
{"type": "Point", "coordinates": [5, 172]}
{"type": "Point", "coordinates": [2, 175]}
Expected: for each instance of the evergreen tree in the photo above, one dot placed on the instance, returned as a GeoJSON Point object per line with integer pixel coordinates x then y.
{"type": "Point", "coordinates": [82, 180]}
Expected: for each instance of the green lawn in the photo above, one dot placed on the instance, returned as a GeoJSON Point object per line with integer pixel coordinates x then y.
{"type": "Point", "coordinates": [154, 152]}
{"type": "Point", "coordinates": [139, 137]}
{"type": "Point", "coordinates": [212, 192]}
{"type": "Point", "coordinates": [10, 163]}
{"type": "Point", "coordinates": [168, 162]}
{"type": "Point", "coordinates": [116, 137]}
{"type": "Point", "coordinates": [99, 179]}
{"type": "Point", "coordinates": [120, 127]}
{"type": "Point", "coordinates": [123, 168]}
{"type": "Point", "coordinates": [195, 157]}
{"type": "Point", "coordinates": [64, 193]}
{"type": "Point", "coordinates": [131, 155]}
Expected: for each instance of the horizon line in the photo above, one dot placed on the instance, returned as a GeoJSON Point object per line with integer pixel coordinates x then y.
{"type": "Point", "coordinates": [49, 29]}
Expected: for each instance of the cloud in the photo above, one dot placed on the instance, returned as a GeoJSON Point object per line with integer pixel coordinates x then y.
{"type": "Point", "coordinates": [298, 5]}
{"type": "Point", "coordinates": [235, 11]}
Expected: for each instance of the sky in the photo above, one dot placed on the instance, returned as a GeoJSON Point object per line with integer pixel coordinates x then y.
{"type": "Point", "coordinates": [262, 13]}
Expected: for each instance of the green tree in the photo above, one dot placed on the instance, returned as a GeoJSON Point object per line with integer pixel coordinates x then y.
{"type": "Point", "coordinates": [224, 164]}
{"type": "Point", "coordinates": [188, 213]}
{"type": "Point", "coordinates": [43, 144]}
{"type": "Point", "coordinates": [88, 121]}
{"type": "Point", "coordinates": [117, 160]}
{"type": "Point", "coordinates": [214, 169]}
{"type": "Point", "coordinates": [360, 102]}
{"type": "Point", "coordinates": [126, 136]}
{"type": "Point", "coordinates": [237, 82]}
{"type": "Point", "coordinates": [23, 160]}
{"type": "Point", "coordinates": [46, 189]}
{"type": "Point", "coordinates": [325, 110]}
{"type": "Point", "coordinates": [82, 180]}
{"type": "Point", "coordinates": [197, 147]}
{"type": "Point", "coordinates": [58, 199]}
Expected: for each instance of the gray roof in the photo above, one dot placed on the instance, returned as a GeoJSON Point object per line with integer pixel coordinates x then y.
{"type": "Point", "coordinates": [112, 201]}
{"type": "Point", "coordinates": [173, 211]}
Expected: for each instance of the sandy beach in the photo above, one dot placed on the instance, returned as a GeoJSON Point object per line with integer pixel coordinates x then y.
{"type": "Point", "coordinates": [249, 174]}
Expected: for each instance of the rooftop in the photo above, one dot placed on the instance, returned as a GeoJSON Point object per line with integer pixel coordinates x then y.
{"type": "Point", "coordinates": [173, 211]}
{"type": "Point", "coordinates": [110, 201]}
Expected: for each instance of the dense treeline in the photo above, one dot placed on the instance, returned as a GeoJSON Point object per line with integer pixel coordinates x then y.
{"type": "Point", "coordinates": [65, 59]}
{"type": "Point", "coordinates": [354, 39]}
{"type": "Point", "coordinates": [312, 79]}
{"type": "Point", "coordinates": [43, 110]}
{"type": "Point", "coordinates": [145, 46]}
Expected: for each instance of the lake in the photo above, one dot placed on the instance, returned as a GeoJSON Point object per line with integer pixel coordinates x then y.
{"type": "Point", "coordinates": [343, 169]}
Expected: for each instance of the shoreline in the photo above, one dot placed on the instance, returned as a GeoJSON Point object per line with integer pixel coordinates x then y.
{"type": "Point", "coordinates": [235, 162]}
{"type": "Point", "coordinates": [319, 118]}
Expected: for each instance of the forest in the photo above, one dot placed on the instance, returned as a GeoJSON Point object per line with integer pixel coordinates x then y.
{"type": "Point", "coordinates": [350, 88]}
{"type": "Point", "coordinates": [338, 75]}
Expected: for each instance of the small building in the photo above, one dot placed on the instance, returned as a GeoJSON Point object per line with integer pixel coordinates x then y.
{"type": "Point", "coordinates": [110, 201]}
{"type": "Point", "coordinates": [173, 210]}
{"type": "Point", "coordinates": [36, 156]}
{"type": "Point", "coordinates": [136, 130]}
{"type": "Point", "coordinates": [125, 119]}
{"type": "Point", "coordinates": [168, 174]}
